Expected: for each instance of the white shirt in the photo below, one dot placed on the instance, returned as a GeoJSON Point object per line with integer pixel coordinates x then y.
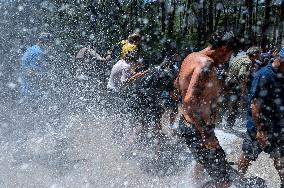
{"type": "Point", "coordinates": [120, 73]}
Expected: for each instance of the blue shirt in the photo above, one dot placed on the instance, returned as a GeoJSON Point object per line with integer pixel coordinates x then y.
{"type": "Point", "coordinates": [32, 61]}
{"type": "Point", "coordinates": [268, 86]}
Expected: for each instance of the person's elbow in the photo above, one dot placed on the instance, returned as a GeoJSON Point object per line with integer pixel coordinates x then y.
{"type": "Point", "coordinates": [190, 106]}
{"type": "Point", "coordinates": [255, 108]}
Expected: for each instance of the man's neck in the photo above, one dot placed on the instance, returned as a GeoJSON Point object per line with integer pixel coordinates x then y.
{"type": "Point", "coordinates": [212, 53]}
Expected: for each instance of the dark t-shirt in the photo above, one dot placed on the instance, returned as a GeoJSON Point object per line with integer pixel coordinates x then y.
{"type": "Point", "coordinates": [145, 93]}
{"type": "Point", "coordinates": [268, 85]}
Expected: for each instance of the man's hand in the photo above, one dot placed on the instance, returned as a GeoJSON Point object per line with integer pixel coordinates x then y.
{"type": "Point", "coordinates": [261, 135]}
{"type": "Point", "coordinates": [136, 75]}
{"type": "Point", "coordinates": [262, 139]}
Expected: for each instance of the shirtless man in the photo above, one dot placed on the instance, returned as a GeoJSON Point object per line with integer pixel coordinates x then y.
{"type": "Point", "coordinates": [200, 88]}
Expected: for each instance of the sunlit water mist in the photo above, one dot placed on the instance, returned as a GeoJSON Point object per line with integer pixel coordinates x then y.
{"type": "Point", "coordinates": [59, 145]}
{"type": "Point", "coordinates": [73, 139]}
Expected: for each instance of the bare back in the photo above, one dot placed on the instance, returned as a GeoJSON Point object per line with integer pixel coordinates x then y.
{"type": "Point", "coordinates": [199, 87]}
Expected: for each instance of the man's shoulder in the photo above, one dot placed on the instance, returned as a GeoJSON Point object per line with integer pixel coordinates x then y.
{"type": "Point", "coordinates": [264, 76]}
{"type": "Point", "coordinates": [196, 62]}
{"type": "Point", "coordinates": [122, 63]}
{"type": "Point", "coordinates": [35, 50]}
{"type": "Point", "coordinates": [240, 61]}
{"type": "Point", "coordinates": [199, 58]}
{"type": "Point", "coordinates": [31, 51]}
{"type": "Point", "coordinates": [265, 72]}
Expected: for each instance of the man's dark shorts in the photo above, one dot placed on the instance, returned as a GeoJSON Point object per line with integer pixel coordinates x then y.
{"type": "Point", "coordinates": [252, 149]}
{"type": "Point", "coordinates": [214, 161]}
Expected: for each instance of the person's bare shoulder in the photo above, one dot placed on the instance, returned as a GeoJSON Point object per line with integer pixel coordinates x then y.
{"type": "Point", "coordinates": [189, 59]}
{"type": "Point", "coordinates": [194, 62]}
{"type": "Point", "coordinates": [205, 63]}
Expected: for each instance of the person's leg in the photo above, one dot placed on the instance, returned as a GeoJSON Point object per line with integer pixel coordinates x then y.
{"type": "Point", "coordinates": [152, 126]}
{"type": "Point", "coordinates": [157, 141]}
{"type": "Point", "coordinates": [244, 163]}
{"type": "Point", "coordinates": [233, 110]}
{"type": "Point", "coordinates": [216, 165]}
{"type": "Point", "coordinates": [250, 152]}
{"type": "Point", "coordinates": [213, 161]}
{"type": "Point", "coordinates": [198, 175]}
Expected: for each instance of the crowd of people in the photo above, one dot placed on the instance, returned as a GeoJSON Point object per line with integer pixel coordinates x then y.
{"type": "Point", "coordinates": [194, 89]}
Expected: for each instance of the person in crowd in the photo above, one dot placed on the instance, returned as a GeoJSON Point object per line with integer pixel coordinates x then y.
{"type": "Point", "coordinates": [265, 123]}
{"type": "Point", "coordinates": [266, 57]}
{"type": "Point", "coordinates": [172, 61]}
{"type": "Point", "coordinates": [34, 68]}
{"type": "Point", "coordinates": [131, 45]}
{"type": "Point", "coordinates": [87, 57]}
{"type": "Point", "coordinates": [89, 71]}
{"type": "Point", "coordinates": [145, 97]}
{"type": "Point", "coordinates": [120, 73]}
{"type": "Point", "coordinates": [238, 80]}
{"type": "Point", "coordinates": [200, 88]}
{"type": "Point", "coordinates": [89, 52]}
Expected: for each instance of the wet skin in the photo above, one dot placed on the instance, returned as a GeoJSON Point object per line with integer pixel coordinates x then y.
{"type": "Point", "coordinates": [200, 90]}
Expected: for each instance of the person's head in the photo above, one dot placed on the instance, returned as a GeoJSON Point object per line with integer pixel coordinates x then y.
{"type": "Point", "coordinates": [45, 40]}
{"type": "Point", "coordinates": [254, 53]}
{"type": "Point", "coordinates": [278, 62]}
{"type": "Point", "coordinates": [224, 44]}
{"type": "Point", "coordinates": [134, 38]}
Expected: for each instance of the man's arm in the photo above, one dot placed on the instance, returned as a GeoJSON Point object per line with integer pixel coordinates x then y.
{"type": "Point", "coordinates": [191, 101]}
{"type": "Point", "coordinates": [96, 55]}
{"type": "Point", "coordinates": [256, 107]}
{"type": "Point", "coordinates": [243, 102]}
{"type": "Point", "coordinates": [137, 75]}
{"type": "Point", "coordinates": [260, 91]}
{"type": "Point", "coordinates": [191, 106]}
{"type": "Point", "coordinates": [244, 87]}
{"type": "Point", "coordinates": [81, 53]}
{"type": "Point", "coordinates": [261, 134]}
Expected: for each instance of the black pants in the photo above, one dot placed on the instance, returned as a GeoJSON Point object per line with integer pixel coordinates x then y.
{"type": "Point", "coordinates": [213, 161]}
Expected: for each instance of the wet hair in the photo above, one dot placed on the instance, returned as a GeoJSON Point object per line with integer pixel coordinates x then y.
{"type": "Point", "coordinates": [45, 38]}
{"type": "Point", "coordinates": [134, 37]}
{"type": "Point", "coordinates": [227, 39]}
{"type": "Point", "coordinates": [253, 50]}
